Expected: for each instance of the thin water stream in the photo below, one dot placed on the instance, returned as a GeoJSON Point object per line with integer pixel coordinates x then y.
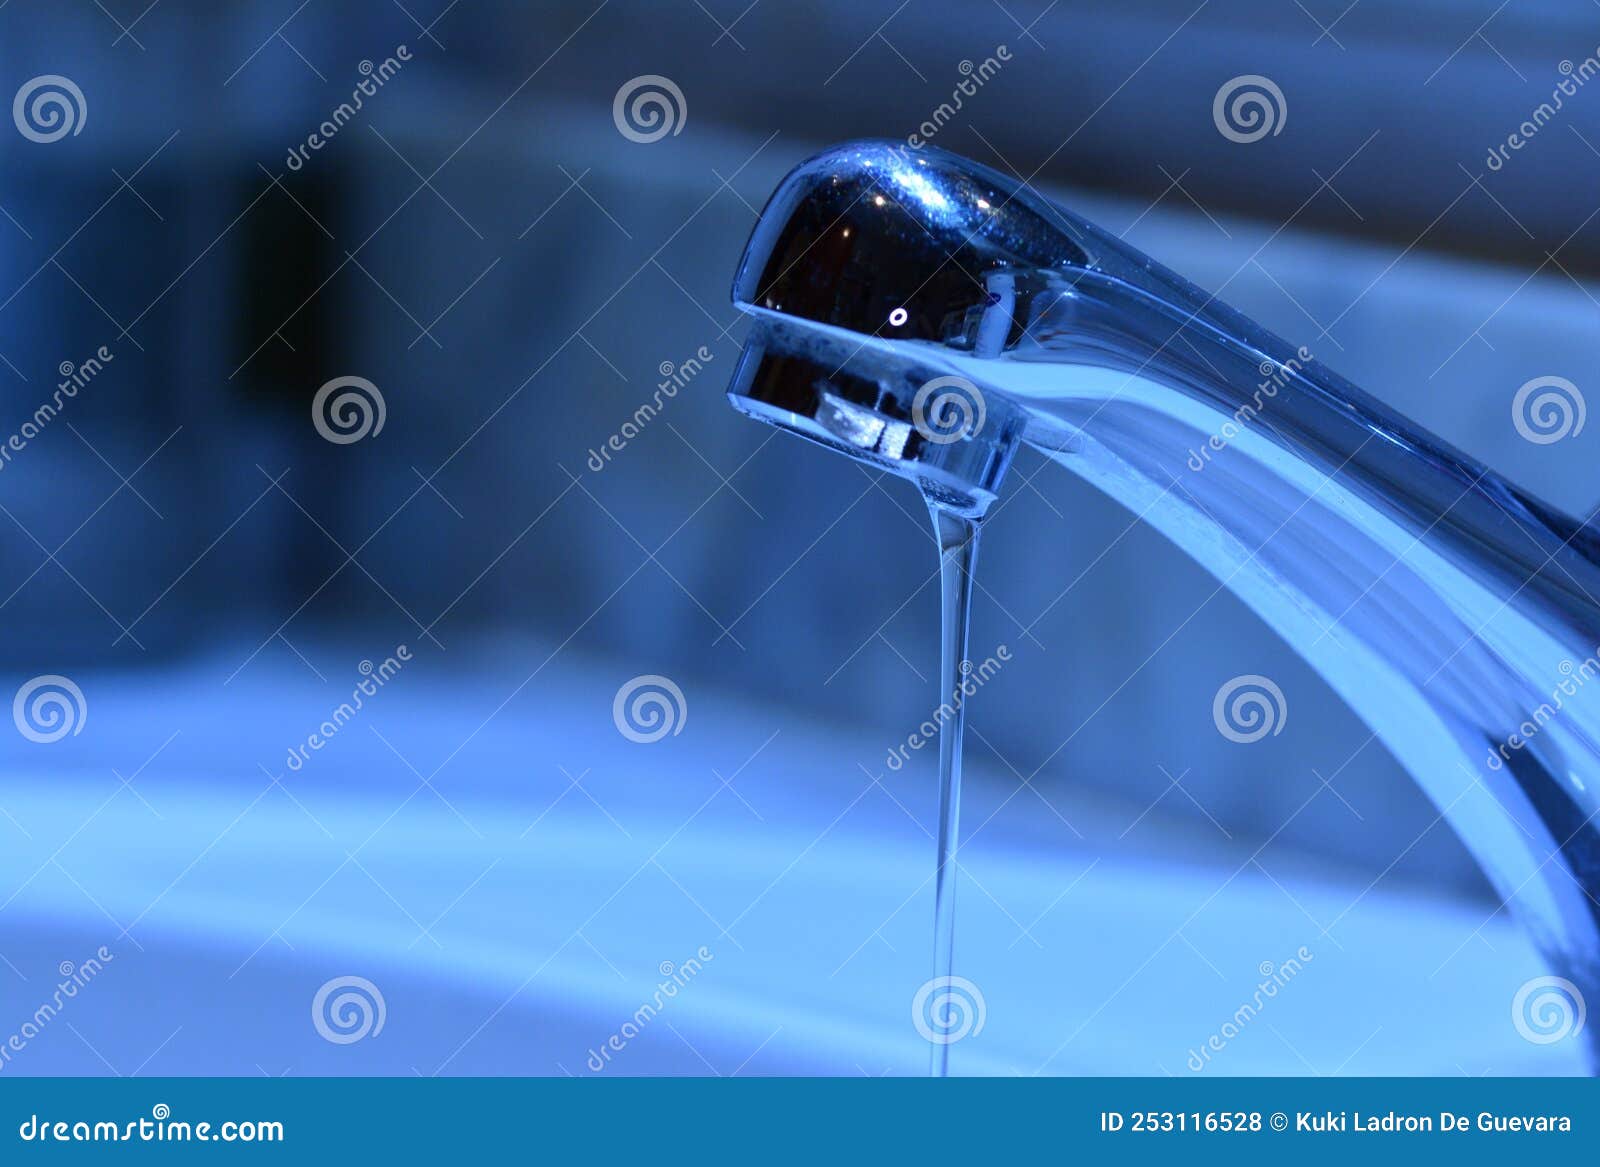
{"type": "Point", "coordinates": [958, 551]}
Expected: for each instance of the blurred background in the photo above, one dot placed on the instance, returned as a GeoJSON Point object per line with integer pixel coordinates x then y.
{"type": "Point", "coordinates": [482, 853]}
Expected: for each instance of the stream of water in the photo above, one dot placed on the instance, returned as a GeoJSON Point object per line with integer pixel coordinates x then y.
{"type": "Point", "coordinates": [958, 551]}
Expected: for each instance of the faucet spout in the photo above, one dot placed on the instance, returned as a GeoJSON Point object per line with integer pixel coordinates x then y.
{"type": "Point", "coordinates": [927, 315]}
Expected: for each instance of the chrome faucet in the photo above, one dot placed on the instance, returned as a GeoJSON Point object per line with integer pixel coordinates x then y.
{"type": "Point", "coordinates": [925, 314]}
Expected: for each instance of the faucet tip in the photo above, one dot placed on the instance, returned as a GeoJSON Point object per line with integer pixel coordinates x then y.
{"type": "Point", "coordinates": [937, 431]}
{"type": "Point", "coordinates": [872, 266]}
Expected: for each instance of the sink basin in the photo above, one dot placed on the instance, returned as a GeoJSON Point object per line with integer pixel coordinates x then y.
{"type": "Point", "coordinates": [517, 910]}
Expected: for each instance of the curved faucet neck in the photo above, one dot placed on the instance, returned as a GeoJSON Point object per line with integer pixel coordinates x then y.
{"type": "Point", "coordinates": [1455, 614]}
